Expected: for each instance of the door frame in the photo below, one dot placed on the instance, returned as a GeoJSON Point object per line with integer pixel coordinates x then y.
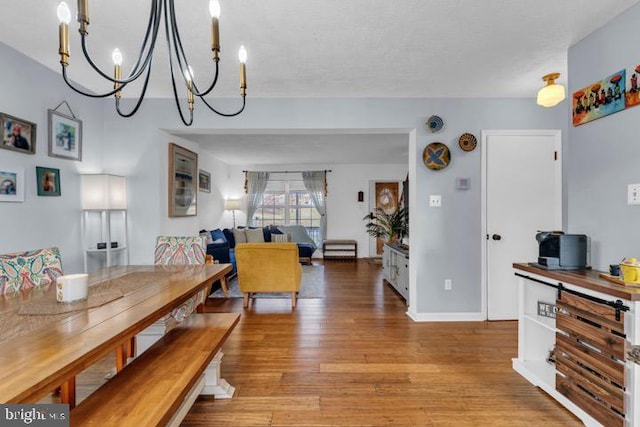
{"type": "Point", "coordinates": [557, 134]}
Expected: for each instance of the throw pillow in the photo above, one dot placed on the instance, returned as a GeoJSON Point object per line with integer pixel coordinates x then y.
{"type": "Point", "coordinates": [298, 234]}
{"type": "Point", "coordinates": [254, 235]}
{"type": "Point", "coordinates": [279, 238]}
{"type": "Point", "coordinates": [239, 235]}
{"type": "Point", "coordinates": [217, 234]}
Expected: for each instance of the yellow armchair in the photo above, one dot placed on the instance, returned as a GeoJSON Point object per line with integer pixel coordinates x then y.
{"type": "Point", "coordinates": [268, 267]}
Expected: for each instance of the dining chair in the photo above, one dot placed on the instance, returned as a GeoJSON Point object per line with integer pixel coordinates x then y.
{"type": "Point", "coordinates": [25, 270]}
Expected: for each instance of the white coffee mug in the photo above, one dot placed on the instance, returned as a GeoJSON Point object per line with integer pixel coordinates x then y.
{"type": "Point", "coordinates": [73, 287]}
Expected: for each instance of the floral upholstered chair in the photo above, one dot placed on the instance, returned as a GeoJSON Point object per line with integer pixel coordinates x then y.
{"type": "Point", "coordinates": [174, 250]}
{"type": "Point", "coordinates": [26, 270]}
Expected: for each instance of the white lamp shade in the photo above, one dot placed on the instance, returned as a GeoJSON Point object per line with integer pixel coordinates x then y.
{"type": "Point", "coordinates": [103, 192]}
{"type": "Point", "coordinates": [551, 95]}
{"type": "Point", "coordinates": [232, 205]}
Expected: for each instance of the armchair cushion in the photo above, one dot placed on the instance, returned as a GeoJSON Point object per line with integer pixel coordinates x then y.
{"type": "Point", "coordinates": [25, 270]}
{"type": "Point", "coordinates": [268, 267]}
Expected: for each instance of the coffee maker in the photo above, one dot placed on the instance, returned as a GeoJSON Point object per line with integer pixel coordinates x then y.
{"type": "Point", "coordinates": [560, 251]}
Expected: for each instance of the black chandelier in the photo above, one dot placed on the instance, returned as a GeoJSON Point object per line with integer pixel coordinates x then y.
{"type": "Point", "coordinates": [142, 66]}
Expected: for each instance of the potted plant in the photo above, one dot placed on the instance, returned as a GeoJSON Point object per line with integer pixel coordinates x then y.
{"type": "Point", "coordinates": [387, 226]}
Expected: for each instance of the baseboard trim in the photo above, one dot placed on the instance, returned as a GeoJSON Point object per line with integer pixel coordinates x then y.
{"type": "Point", "coordinates": [445, 317]}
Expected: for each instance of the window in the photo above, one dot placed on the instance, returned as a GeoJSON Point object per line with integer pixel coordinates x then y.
{"type": "Point", "coordinates": [286, 202]}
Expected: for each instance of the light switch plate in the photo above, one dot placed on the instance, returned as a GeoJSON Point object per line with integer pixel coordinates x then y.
{"type": "Point", "coordinates": [633, 194]}
{"type": "Point", "coordinates": [435, 201]}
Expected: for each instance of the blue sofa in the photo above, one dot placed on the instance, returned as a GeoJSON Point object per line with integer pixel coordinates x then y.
{"type": "Point", "coordinates": [222, 248]}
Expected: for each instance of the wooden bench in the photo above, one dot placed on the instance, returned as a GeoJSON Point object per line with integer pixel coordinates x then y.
{"type": "Point", "coordinates": [158, 387]}
{"type": "Point", "coordinates": [340, 250]}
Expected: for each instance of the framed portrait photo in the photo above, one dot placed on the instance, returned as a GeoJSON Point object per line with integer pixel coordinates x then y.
{"type": "Point", "coordinates": [18, 134]}
{"type": "Point", "coordinates": [48, 181]}
{"type": "Point", "coordinates": [65, 136]}
{"type": "Point", "coordinates": [183, 181]}
{"type": "Point", "coordinates": [204, 181]}
{"type": "Point", "coordinates": [11, 184]}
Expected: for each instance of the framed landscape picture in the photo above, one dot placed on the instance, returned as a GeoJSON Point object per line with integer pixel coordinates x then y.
{"type": "Point", "coordinates": [183, 181]}
{"type": "Point", "coordinates": [204, 181]}
{"type": "Point", "coordinates": [65, 136]}
{"type": "Point", "coordinates": [11, 184]}
{"type": "Point", "coordinates": [18, 134]}
{"type": "Point", "coordinates": [48, 181]}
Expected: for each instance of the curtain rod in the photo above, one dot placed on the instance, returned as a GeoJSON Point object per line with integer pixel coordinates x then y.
{"type": "Point", "coordinates": [325, 170]}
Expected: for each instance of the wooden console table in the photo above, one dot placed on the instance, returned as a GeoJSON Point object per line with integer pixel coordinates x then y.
{"type": "Point", "coordinates": [340, 250]}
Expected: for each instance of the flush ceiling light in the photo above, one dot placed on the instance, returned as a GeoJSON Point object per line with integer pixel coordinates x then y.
{"type": "Point", "coordinates": [552, 93]}
{"type": "Point", "coordinates": [162, 13]}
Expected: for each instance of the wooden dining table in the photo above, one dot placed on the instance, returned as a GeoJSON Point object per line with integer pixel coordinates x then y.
{"type": "Point", "coordinates": [39, 352]}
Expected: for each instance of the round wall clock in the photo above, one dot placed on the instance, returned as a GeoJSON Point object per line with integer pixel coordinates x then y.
{"type": "Point", "coordinates": [436, 156]}
{"type": "Point", "coordinates": [434, 124]}
{"type": "Point", "coordinates": [467, 142]}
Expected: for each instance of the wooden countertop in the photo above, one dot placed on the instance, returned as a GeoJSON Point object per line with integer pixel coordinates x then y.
{"type": "Point", "coordinates": [589, 279]}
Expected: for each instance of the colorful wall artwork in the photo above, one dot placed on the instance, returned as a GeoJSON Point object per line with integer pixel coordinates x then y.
{"type": "Point", "coordinates": [632, 94]}
{"type": "Point", "coordinates": [599, 99]}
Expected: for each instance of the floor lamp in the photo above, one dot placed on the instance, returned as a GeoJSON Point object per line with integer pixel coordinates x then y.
{"type": "Point", "coordinates": [232, 205]}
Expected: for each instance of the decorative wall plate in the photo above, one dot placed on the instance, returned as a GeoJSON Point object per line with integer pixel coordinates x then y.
{"type": "Point", "coordinates": [436, 156]}
{"type": "Point", "coordinates": [435, 124]}
{"type": "Point", "coordinates": [467, 142]}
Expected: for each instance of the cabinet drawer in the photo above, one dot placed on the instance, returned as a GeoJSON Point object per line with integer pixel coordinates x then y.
{"type": "Point", "coordinates": [590, 357]}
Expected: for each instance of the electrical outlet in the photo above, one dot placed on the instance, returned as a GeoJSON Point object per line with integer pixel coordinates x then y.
{"type": "Point", "coordinates": [435, 201]}
{"type": "Point", "coordinates": [633, 194]}
{"type": "Point", "coordinates": [447, 285]}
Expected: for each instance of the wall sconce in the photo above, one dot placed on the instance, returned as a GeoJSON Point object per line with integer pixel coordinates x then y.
{"type": "Point", "coordinates": [551, 94]}
{"type": "Point", "coordinates": [232, 205]}
{"type": "Point", "coordinates": [361, 196]}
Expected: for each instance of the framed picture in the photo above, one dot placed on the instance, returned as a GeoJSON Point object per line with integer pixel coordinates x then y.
{"type": "Point", "coordinates": [183, 176]}
{"type": "Point", "coordinates": [18, 135]}
{"type": "Point", "coordinates": [11, 184]}
{"type": "Point", "coordinates": [65, 136]}
{"type": "Point", "coordinates": [204, 181]}
{"type": "Point", "coordinates": [48, 181]}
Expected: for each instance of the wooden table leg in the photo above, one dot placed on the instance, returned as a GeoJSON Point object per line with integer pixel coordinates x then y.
{"type": "Point", "coordinates": [121, 356]}
{"type": "Point", "coordinates": [131, 348]}
{"type": "Point", "coordinates": [68, 392]}
{"type": "Point", "coordinates": [225, 287]}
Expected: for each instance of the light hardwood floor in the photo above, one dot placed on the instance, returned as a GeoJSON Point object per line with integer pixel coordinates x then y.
{"type": "Point", "coordinates": [354, 358]}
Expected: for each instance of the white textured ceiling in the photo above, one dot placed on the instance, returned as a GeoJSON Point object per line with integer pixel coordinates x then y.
{"type": "Point", "coordinates": [334, 48]}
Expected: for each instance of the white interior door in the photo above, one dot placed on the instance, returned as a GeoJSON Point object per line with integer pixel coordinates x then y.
{"type": "Point", "coordinates": [522, 194]}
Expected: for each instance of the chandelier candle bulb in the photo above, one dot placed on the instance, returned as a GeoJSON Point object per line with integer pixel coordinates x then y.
{"type": "Point", "coordinates": [188, 74]}
{"type": "Point", "coordinates": [83, 16]}
{"type": "Point", "coordinates": [116, 56]}
{"type": "Point", "coordinates": [64, 15]}
{"type": "Point", "coordinates": [242, 56]}
{"type": "Point", "coordinates": [214, 10]}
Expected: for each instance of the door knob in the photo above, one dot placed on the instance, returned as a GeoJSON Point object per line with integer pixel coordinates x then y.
{"type": "Point", "coordinates": [496, 237]}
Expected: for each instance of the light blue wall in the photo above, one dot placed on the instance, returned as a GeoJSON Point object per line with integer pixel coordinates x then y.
{"type": "Point", "coordinates": [445, 243]}
{"type": "Point", "coordinates": [604, 155]}
{"type": "Point", "coordinates": [27, 90]}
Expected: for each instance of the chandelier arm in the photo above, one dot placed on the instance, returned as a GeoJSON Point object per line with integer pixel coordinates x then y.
{"type": "Point", "coordinates": [140, 98]}
{"type": "Point", "coordinates": [173, 80]}
{"type": "Point", "coordinates": [81, 92]}
{"type": "Point", "coordinates": [210, 88]}
{"type": "Point", "coordinates": [180, 55]}
{"type": "Point", "coordinates": [225, 114]}
{"type": "Point", "coordinates": [154, 18]}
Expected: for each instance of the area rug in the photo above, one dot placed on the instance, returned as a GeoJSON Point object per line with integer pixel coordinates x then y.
{"type": "Point", "coordinates": [312, 286]}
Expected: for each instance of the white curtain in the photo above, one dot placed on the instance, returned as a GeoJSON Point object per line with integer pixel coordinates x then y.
{"type": "Point", "coordinates": [316, 184]}
{"type": "Point", "coordinates": [256, 183]}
